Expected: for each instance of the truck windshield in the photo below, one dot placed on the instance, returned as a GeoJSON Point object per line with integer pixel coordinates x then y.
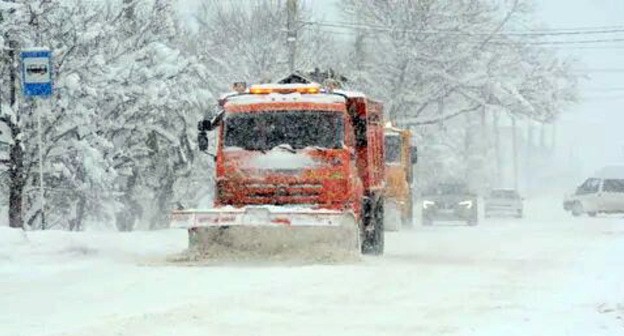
{"type": "Point", "coordinates": [392, 148]}
{"type": "Point", "coordinates": [298, 129]}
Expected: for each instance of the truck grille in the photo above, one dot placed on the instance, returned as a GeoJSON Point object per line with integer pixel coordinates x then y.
{"type": "Point", "coordinates": [270, 193]}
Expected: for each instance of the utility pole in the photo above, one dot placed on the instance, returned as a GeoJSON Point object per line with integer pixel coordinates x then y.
{"type": "Point", "coordinates": [291, 37]}
{"type": "Point", "coordinates": [497, 149]}
{"type": "Point", "coordinates": [529, 156]}
{"type": "Point", "coordinates": [514, 141]}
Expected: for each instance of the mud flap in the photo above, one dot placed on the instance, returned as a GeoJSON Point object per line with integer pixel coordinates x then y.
{"type": "Point", "coordinates": [373, 240]}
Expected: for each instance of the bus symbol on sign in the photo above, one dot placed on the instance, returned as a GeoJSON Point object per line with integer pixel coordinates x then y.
{"type": "Point", "coordinates": [36, 74]}
{"type": "Point", "coordinates": [36, 70]}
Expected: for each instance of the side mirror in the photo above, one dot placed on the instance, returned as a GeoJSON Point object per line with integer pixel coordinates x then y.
{"type": "Point", "coordinates": [202, 141]}
{"type": "Point", "coordinates": [204, 125]}
{"type": "Point", "coordinates": [414, 154]}
{"type": "Point", "coordinates": [178, 206]}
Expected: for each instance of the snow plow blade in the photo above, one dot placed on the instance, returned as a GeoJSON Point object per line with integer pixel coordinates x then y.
{"type": "Point", "coordinates": [267, 232]}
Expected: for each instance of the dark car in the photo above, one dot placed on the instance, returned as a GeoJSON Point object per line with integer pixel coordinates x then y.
{"type": "Point", "coordinates": [449, 202]}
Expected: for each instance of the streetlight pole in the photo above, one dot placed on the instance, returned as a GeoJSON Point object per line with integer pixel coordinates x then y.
{"type": "Point", "coordinates": [291, 37]}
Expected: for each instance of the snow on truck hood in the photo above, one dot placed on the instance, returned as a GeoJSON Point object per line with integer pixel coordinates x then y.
{"type": "Point", "coordinates": [281, 159]}
{"type": "Point", "coordinates": [289, 97]}
{"type": "Point", "coordinates": [276, 159]}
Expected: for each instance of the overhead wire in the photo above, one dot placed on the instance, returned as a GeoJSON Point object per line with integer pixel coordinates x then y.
{"type": "Point", "coordinates": [607, 43]}
{"type": "Point", "coordinates": [596, 31]}
{"type": "Point", "coordinates": [597, 42]}
{"type": "Point", "coordinates": [540, 38]}
{"type": "Point", "coordinates": [588, 29]}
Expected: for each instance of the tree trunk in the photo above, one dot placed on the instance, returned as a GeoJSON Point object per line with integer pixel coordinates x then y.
{"type": "Point", "coordinates": [131, 209]}
{"type": "Point", "coordinates": [16, 185]}
{"type": "Point", "coordinates": [165, 196]}
{"type": "Point", "coordinates": [514, 142]}
{"type": "Point", "coordinates": [16, 153]}
{"type": "Point", "coordinates": [76, 224]}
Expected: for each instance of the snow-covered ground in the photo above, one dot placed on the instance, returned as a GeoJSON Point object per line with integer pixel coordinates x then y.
{"type": "Point", "coordinates": [548, 274]}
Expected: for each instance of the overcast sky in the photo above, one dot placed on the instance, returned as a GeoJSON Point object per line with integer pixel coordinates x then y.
{"type": "Point", "coordinates": [593, 130]}
{"type": "Point", "coordinates": [596, 126]}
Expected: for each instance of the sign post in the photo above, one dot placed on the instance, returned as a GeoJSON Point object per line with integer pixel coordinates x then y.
{"type": "Point", "coordinates": [37, 83]}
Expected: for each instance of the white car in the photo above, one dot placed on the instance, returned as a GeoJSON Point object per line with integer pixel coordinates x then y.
{"type": "Point", "coordinates": [504, 202]}
{"type": "Point", "coordinates": [601, 194]}
{"type": "Point", "coordinates": [597, 195]}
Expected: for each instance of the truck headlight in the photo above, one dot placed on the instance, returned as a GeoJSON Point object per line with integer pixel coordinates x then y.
{"type": "Point", "coordinates": [427, 204]}
{"type": "Point", "coordinates": [467, 204]}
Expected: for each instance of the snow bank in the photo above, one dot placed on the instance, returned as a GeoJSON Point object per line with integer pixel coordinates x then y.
{"type": "Point", "coordinates": [11, 237]}
{"type": "Point", "coordinates": [4, 216]}
{"type": "Point", "coordinates": [21, 248]}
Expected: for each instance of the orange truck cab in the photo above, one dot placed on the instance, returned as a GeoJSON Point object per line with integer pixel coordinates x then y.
{"type": "Point", "coordinates": [400, 156]}
{"type": "Point", "coordinates": [303, 157]}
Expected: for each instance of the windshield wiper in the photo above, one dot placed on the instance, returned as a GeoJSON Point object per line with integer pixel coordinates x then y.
{"type": "Point", "coordinates": [287, 148]}
{"type": "Point", "coordinates": [320, 149]}
{"type": "Point", "coordinates": [261, 150]}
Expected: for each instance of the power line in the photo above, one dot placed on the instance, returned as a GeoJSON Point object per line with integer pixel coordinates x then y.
{"type": "Point", "coordinates": [558, 46]}
{"type": "Point", "coordinates": [602, 98]}
{"type": "Point", "coordinates": [605, 89]}
{"type": "Point", "coordinates": [612, 30]}
{"type": "Point", "coordinates": [499, 42]}
{"type": "Point", "coordinates": [602, 70]}
{"type": "Point", "coordinates": [589, 29]}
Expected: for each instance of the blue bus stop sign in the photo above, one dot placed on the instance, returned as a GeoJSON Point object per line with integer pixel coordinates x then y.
{"type": "Point", "coordinates": [37, 72]}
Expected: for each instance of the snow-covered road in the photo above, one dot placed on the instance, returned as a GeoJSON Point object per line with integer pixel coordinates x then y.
{"type": "Point", "coordinates": [544, 275]}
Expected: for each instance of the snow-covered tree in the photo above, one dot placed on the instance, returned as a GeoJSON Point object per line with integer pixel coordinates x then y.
{"type": "Point", "coordinates": [246, 40]}
{"type": "Point", "coordinates": [445, 67]}
{"type": "Point", "coordinates": [117, 137]}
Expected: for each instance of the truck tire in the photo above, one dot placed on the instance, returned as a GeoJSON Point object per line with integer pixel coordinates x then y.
{"type": "Point", "coordinates": [426, 221]}
{"type": "Point", "coordinates": [592, 214]}
{"type": "Point", "coordinates": [374, 236]}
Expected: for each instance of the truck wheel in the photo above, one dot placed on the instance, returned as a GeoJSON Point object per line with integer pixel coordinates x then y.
{"type": "Point", "coordinates": [592, 214]}
{"type": "Point", "coordinates": [577, 209]}
{"type": "Point", "coordinates": [373, 242]}
{"type": "Point", "coordinates": [426, 221]}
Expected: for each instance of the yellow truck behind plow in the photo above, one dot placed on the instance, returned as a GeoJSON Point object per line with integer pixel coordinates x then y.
{"type": "Point", "coordinates": [400, 156]}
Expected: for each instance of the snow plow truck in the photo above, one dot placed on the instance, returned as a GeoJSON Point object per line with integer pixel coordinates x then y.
{"type": "Point", "coordinates": [400, 156]}
{"type": "Point", "coordinates": [298, 166]}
